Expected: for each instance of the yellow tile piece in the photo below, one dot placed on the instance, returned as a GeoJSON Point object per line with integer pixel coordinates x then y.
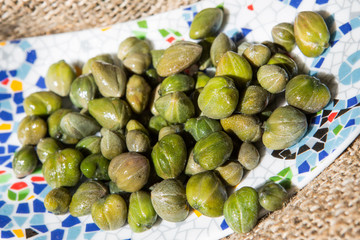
{"type": "Point", "coordinates": [31, 197]}
{"type": "Point", "coordinates": [197, 213]}
{"type": "Point", "coordinates": [5, 126]}
{"type": "Point", "coordinates": [18, 232]}
{"type": "Point", "coordinates": [16, 85]}
{"type": "Point", "coordinates": [104, 29]}
{"type": "Point", "coordinates": [2, 43]}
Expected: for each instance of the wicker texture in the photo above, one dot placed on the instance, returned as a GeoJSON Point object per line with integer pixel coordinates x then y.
{"type": "Point", "coordinates": [327, 208]}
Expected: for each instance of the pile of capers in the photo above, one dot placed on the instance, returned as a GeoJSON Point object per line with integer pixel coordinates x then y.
{"type": "Point", "coordinates": [153, 132]}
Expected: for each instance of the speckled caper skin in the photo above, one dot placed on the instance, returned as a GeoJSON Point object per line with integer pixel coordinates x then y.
{"type": "Point", "coordinates": [112, 143]}
{"type": "Point", "coordinates": [212, 151]}
{"type": "Point", "coordinates": [95, 166]}
{"type": "Point", "coordinates": [231, 173]}
{"type": "Point", "coordinates": [135, 125]}
{"type": "Point", "coordinates": [175, 128]}
{"type": "Point", "coordinates": [25, 161]}
{"type": "Point", "coordinates": [130, 171]}
{"type": "Point", "coordinates": [206, 23]}
{"type": "Point", "coordinates": [283, 34]}
{"type": "Point", "coordinates": [176, 82]}
{"type": "Point", "coordinates": [169, 156]}
{"type": "Point", "coordinates": [253, 100]}
{"type": "Point", "coordinates": [272, 196]}
{"type": "Point", "coordinates": [219, 98]}
{"type": "Point", "coordinates": [178, 57]}
{"type": "Point", "coordinates": [59, 78]}
{"type": "Point", "coordinates": [142, 214]}
{"type": "Point", "coordinates": [156, 123]}
{"type": "Point", "coordinates": [42, 103]}
{"type": "Point", "coordinates": [284, 128]}
{"type": "Point", "coordinates": [307, 93]}
{"type": "Point", "coordinates": [110, 113]}
{"type": "Point", "coordinates": [284, 62]}
{"type": "Point", "coordinates": [137, 62]}
{"type": "Point", "coordinates": [246, 127]}
{"type": "Point", "coordinates": [31, 129]}
{"type": "Point", "coordinates": [156, 54]}
{"type": "Point", "coordinates": [137, 141]}
{"type": "Point", "coordinates": [86, 69]}
{"type": "Point", "coordinates": [241, 210]}
{"type": "Point", "coordinates": [89, 145]}
{"type": "Point", "coordinates": [241, 48]}
{"type": "Point", "coordinates": [311, 33]}
{"type": "Point", "coordinates": [55, 129]}
{"type": "Point", "coordinates": [82, 90]}
{"type": "Point", "coordinates": [206, 193]}
{"type": "Point", "coordinates": [236, 67]}
{"type": "Point", "coordinates": [202, 126]}
{"type": "Point", "coordinates": [58, 200]}
{"type": "Point", "coordinates": [77, 125]}
{"type": "Point", "coordinates": [85, 196]}
{"type": "Point", "coordinates": [46, 147]}
{"type": "Point", "coordinates": [137, 93]}
{"type": "Point", "coordinates": [273, 78]}
{"type": "Point", "coordinates": [132, 45]}
{"type": "Point", "coordinates": [201, 80]}
{"type": "Point", "coordinates": [192, 167]}
{"type": "Point", "coordinates": [109, 212]}
{"type": "Point", "coordinates": [222, 44]}
{"type": "Point", "coordinates": [169, 200]}
{"type": "Point", "coordinates": [62, 169]}
{"type": "Point", "coordinates": [257, 54]}
{"type": "Point", "coordinates": [248, 156]}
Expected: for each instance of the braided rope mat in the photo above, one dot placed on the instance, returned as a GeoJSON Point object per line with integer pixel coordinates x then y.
{"type": "Point", "coordinates": [327, 208]}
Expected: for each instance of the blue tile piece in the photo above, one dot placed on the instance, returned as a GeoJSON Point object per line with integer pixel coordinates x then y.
{"type": "Point", "coordinates": [13, 73]}
{"type": "Point", "coordinates": [31, 56]}
{"type": "Point", "coordinates": [2, 203]}
{"type": "Point", "coordinates": [187, 8]}
{"type": "Point", "coordinates": [7, 234]}
{"type": "Point", "coordinates": [189, 23]}
{"type": "Point", "coordinates": [345, 28]}
{"type": "Point", "coordinates": [23, 208]}
{"type": "Point", "coordinates": [89, 236]}
{"type": "Point", "coordinates": [19, 220]}
{"type": "Point", "coordinates": [7, 209]}
{"type": "Point", "coordinates": [18, 97]}
{"type": "Point", "coordinates": [41, 228]}
{"type": "Point", "coordinates": [6, 105]}
{"type": "Point", "coordinates": [24, 45]}
{"type": "Point", "coordinates": [332, 43]}
{"type": "Point", "coordinates": [41, 83]}
{"type": "Point", "coordinates": [321, 1]}
{"type": "Point", "coordinates": [57, 234]}
{"type": "Point", "coordinates": [6, 116]}
{"type": "Point", "coordinates": [246, 31]}
{"type": "Point", "coordinates": [70, 221]}
{"type": "Point", "coordinates": [316, 120]}
{"type": "Point", "coordinates": [12, 148]}
{"type": "Point", "coordinates": [352, 101]}
{"type": "Point", "coordinates": [353, 58]}
{"type": "Point", "coordinates": [295, 3]}
{"type": "Point", "coordinates": [323, 154]}
{"type": "Point", "coordinates": [38, 206]}
{"type": "Point", "coordinates": [23, 70]}
{"type": "Point", "coordinates": [350, 123]}
{"type": "Point", "coordinates": [73, 232]}
{"type": "Point", "coordinates": [41, 238]}
{"type": "Point", "coordinates": [320, 62]}
{"type": "Point", "coordinates": [304, 167]}
{"type": "Point", "coordinates": [90, 227]}
{"type": "Point", "coordinates": [224, 225]}
{"type": "Point", "coordinates": [5, 96]}
{"type": "Point", "coordinates": [3, 138]}
{"type": "Point", "coordinates": [3, 75]}
{"type": "Point", "coordinates": [2, 150]}
{"type": "Point", "coordinates": [15, 41]}
{"type": "Point", "coordinates": [20, 109]}
{"type": "Point", "coordinates": [355, 23]}
{"type": "Point", "coordinates": [9, 165]}
{"type": "Point", "coordinates": [4, 220]}
{"type": "Point", "coordinates": [37, 219]}
{"type": "Point", "coordinates": [38, 188]}
{"type": "Point", "coordinates": [4, 158]}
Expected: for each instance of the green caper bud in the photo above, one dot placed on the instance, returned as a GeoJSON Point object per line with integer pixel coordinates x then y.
{"type": "Point", "coordinates": [241, 48]}
{"type": "Point", "coordinates": [169, 200]}
{"type": "Point", "coordinates": [77, 125]}
{"type": "Point", "coordinates": [201, 80]}
{"type": "Point", "coordinates": [112, 143]}
{"type": "Point", "coordinates": [206, 194]}
{"type": "Point", "coordinates": [59, 78]}
{"type": "Point", "coordinates": [206, 23]}
{"type": "Point", "coordinates": [86, 69]}
{"type": "Point", "coordinates": [257, 54]}
{"type": "Point", "coordinates": [137, 93]}
{"type": "Point", "coordinates": [248, 156]}
{"type": "Point", "coordinates": [231, 173]}
{"type": "Point", "coordinates": [236, 67]}
{"type": "Point", "coordinates": [222, 44]}
{"type": "Point", "coordinates": [55, 129]}
{"type": "Point", "coordinates": [192, 167]}
{"type": "Point", "coordinates": [253, 100]}
{"type": "Point", "coordinates": [31, 129]}
{"type": "Point", "coordinates": [142, 215]}
{"type": "Point", "coordinates": [152, 77]}
{"type": "Point", "coordinates": [25, 161]}
{"type": "Point", "coordinates": [311, 33]}
{"type": "Point", "coordinates": [95, 166]}
{"type": "Point", "coordinates": [83, 89]}
{"type": "Point", "coordinates": [175, 83]}
{"type": "Point", "coordinates": [219, 98]}
{"type": "Point", "coordinates": [175, 128]}
{"type": "Point", "coordinates": [205, 59]}
{"type": "Point", "coordinates": [41, 103]}
{"type": "Point", "coordinates": [110, 113]}
{"type": "Point", "coordinates": [272, 78]}
{"type": "Point", "coordinates": [175, 107]}
{"type": "Point", "coordinates": [156, 55]}
{"type": "Point", "coordinates": [178, 57]}
{"type": "Point", "coordinates": [137, 141]}
{"type": "Point", "coordinates": [283, 34]}
{"type": "Point", "coordinates": [307, 93]}
{"type": "Point", "coordinates": [109, 213]}
{"type": "Point", "coordinates": [46, 147]}
{"type": "Point", "coordinates": [272, 196]}
{"type": "Point", "coordinates": [110, 79]}
{"type": "Point", "coordinates": [154, 96]}
{"type": "Point", "coordinates": [137, 63]}
{"type": "Point", "coordinates": [58, 200]}
{"type": "Point", "coordinates": [156, 123]}
{"type": "Point", "coordinates": [130, 171]}
{"type": "Point", "coordinates": [284, 128]}
{"type": "Point", "coordinates": [246, 127]}
{"type": "Point", "coordinates": [89, 145]}
{"type": "Point", "coordinates": [285, 62]}
{"type": "Point", "coordinates": [194, 96]}
{"type": "Point", "coordinates": [135, 125]}
{"type": "Point", "coordinates": [85, 196]}
{"type": "Point", "coordinates": [63, 168]}
{"type": "Point", "coordinates": [169, 156]}
{"type": "Point", "coordinates": [212, 151]}
{"type": "Point", "coordinates": [241, 210]}
{"type": "Point", "coordinates": [202, 126]}
{"type": "Point", "coordinates": [132, 45]}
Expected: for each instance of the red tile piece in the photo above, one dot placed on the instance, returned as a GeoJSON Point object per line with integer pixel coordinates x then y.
{"type": "Point", "coordinates": [250, 7]}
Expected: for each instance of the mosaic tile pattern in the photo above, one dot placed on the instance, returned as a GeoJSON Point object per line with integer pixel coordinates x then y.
{"type": "Point", "coordinates": [24, 62]}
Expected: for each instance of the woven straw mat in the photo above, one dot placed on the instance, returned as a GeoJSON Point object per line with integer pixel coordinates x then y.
{"type": "Point", "coordinates": [327, 208]}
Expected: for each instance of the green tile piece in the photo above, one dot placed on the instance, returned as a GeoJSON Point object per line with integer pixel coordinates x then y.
{"type": "Point", "coordinates": [142, 24]}
{"type": "Point", "coordinates": [163, 32]}
{"type": "Point", "coordinates": [139, 34]}
{"type": "Point", "coordinates": [337, 129]}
